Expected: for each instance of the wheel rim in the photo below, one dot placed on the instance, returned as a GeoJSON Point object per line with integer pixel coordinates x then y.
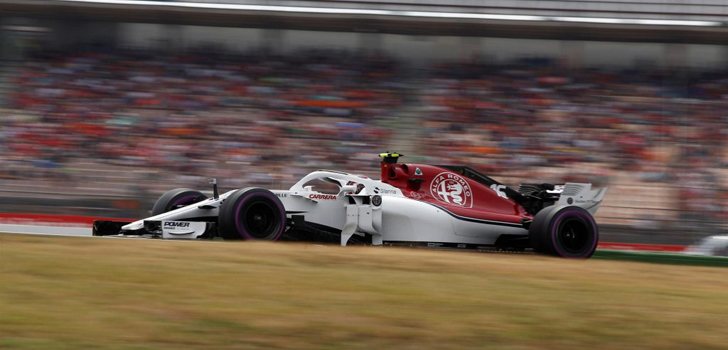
{"type": "Point", "coordinates": [260, 220]}
{"type": "Point", "coordinates": [573, 236]}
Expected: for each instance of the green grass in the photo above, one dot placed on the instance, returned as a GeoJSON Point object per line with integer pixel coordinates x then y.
{"type": "Point", "coordinates": [72, 293]}
{"type": "Point", "coordinates": [662, 258]}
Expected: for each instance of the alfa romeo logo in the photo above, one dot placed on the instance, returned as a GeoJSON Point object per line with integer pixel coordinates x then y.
{"type": "Point", "coordinates": [452, 189]}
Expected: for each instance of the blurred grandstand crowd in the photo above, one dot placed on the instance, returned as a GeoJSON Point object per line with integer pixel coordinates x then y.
{"type": "Point", "coordinates": [131, 123]}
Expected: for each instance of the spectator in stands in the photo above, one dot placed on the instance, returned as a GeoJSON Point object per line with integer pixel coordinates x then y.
{"type": "Point", "coordinates": [258, 119]}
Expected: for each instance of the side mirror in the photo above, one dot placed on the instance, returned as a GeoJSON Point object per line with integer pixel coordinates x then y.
{"type": "Point", "coordinates": [347, 189]}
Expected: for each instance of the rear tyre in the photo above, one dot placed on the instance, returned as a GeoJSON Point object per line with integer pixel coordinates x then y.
{"type": "Point", "coordinates": [176, 198]}
{"type": "Point", "coordinates": [564, 231]}
{"type": "Point", "coordinates": [252, 213]}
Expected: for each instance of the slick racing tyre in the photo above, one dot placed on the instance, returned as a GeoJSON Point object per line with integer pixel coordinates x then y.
{"type": "Point", "coordinates": [176, 198]}
{"type": "Point", "coordinates": [565, 231]}
{"type": "Point", "coordinates": [252, 213]}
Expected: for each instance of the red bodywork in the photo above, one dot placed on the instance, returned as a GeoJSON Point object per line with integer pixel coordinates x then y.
{"type": "Point", "coordinates": [453, 192]}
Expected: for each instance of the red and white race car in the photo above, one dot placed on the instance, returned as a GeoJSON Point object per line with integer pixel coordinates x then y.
{"type": "Point", "coordinates": [412, 204]}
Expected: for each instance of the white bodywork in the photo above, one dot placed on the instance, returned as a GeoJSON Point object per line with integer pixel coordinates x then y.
{"type": "Point", "coordinates": [580, 195]}
{"type": "Point", "coordinates": [709, 246]}
{"type": "Point", "coordinates": [396, 219]}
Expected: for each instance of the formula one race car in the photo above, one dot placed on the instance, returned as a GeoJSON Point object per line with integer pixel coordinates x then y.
{"type": "Point", "coordinates": [412, 204]}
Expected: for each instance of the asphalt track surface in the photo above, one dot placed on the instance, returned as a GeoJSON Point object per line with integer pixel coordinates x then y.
{"type": "Point", "coordinates": [46, 230]}
{"type": "Point", "coordinates": [635, 256]}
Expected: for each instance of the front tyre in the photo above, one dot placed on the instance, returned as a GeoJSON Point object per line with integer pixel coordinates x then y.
{"type": "Point", "coordinates": [564, 231]}
{"type": "Point", "coordinates": [252, 213]}
{"type": "Point", "coordinates": [176, 198]}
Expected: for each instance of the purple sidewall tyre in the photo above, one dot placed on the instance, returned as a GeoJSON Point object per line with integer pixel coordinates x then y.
{"type": "Point", "coordinates": [565, 231]}
{"type": "Point", "coordinates": [176, 198]}
{"type": "Point", "coordinates": [252, 214]}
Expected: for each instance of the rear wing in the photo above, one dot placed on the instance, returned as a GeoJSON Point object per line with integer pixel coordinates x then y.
{"type": "Point", "coordinates": [581, 195]}
{"type": "Point", "coordinates": [534, 197]}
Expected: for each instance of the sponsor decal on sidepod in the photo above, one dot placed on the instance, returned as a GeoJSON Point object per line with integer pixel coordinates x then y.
{"type": "Point", "coordinates": [452, 189]}
{"type": "Point", "coordinates": [322, 196]}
